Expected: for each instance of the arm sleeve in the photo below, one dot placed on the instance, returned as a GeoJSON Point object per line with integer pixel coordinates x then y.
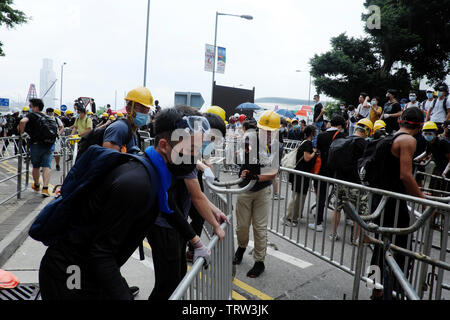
{"type": "Point", "coordinates": [116, 221]}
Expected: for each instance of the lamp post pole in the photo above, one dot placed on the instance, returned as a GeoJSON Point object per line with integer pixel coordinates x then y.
{"type": "Point", "coordinates": [62, 73]}
{"type": "Point", "coordinates": [215, 46]}
{"type": "Point", "coordinates": [146, 44]}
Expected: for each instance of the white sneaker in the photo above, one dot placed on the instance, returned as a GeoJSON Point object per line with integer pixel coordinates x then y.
{"type": "Point", "coordinates": [313, 226]}
{"type": "Point", "coordinates": [289, 223]}
{"type": "Point", "coordinates": [334, 237]}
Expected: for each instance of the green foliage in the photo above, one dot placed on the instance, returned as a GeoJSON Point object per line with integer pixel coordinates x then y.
{"type": "Point", "coordinates": [331, 109]}
{"type": "Point", "coordinates": [101, 110]}
{"type": "Point", "coordinates": [413, 42]}
{"type": "Point", "coordinates": [10, 17]}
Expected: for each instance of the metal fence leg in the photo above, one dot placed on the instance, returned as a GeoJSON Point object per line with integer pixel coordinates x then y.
{"type": "Point", "coordinates": [358, 268]}
{"type": "Point", "coordinates": [426, 251]}
{"type": "Point", "coordinates": [442, 257]}
{"type": "Point", "coordinates": [19, 171]}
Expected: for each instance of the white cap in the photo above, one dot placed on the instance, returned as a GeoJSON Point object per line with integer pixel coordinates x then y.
{"type": "Point", "coordinates": [430, 90]}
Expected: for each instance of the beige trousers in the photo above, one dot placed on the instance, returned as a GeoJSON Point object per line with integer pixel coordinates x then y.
{"type": "Point", "coordinates": [295, 207]}
{"type": "Point", "coordinates": [253, 208]}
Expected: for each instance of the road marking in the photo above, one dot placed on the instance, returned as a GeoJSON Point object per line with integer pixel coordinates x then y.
{"type": "Point", "coordinates": [251, 290]}
{"type": "Point", "coordinates": [284, 257]}
{"type": "Point", "coordinates": [237, 296]}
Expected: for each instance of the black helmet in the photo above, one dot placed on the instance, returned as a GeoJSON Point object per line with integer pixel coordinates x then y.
{"type": "Point", "coordinates": [443, 87]}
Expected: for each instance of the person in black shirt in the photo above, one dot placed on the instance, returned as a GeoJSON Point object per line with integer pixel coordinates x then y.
{"type": "Point", "coordinates": [324, 141]}
{"type": "Point", "coordinates": [391, 112]}
{"type": "Point", "coordinates": [350, 173]}
{"type": "Point", "coordinates": [319, 111]}
{"type": "Point", "coordinates": [300, 187]}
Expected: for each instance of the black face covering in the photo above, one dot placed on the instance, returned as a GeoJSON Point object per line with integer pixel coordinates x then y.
{"type": "Point", "coordinates": [181, 170]}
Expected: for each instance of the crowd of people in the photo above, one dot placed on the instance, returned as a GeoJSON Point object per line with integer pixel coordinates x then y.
{"type": "Point", "coordinates": [131, 202]}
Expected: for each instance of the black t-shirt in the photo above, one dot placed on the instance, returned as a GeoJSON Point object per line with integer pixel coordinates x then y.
{"type": "Point", "coordinates": [324, 141]}
{"type": "Point", "coordinates": [32, 127]}
{"type": "Point", "coordinates": [440, 149]}
{"type": "Point", "coordinates": [350, 174]}
{"type": "Point", "coordinates": [306, 146]}
{"type": "Point", "coordinates": [317, 110]}
{"type": "Point", "coordinates": [391, 122]}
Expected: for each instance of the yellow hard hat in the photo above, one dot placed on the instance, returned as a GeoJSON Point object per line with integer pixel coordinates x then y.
{"type": "Point", "coordinates": [57, 112]}
{"type": "Point", "coordinates": [26, 109]}
{"type": "Point", "coordinates": [112, 118]}
{"type": "Point", "coordinates": [366, 122]}
{"type": "Point", "coordinates": [270, 121]}
{"type": "Point", "coordinates": [69, 112]}
{"type": "Point", "coordinates": [430, 126]}
{"type": "Point", "coordinates": [90, 113]}
{"type": "Point", "coordinates": [119, 114]}
{"type": "Point", "coordinates": [140, 95]}
{"type": "Point", "coordinates": [218, 111]}
{"type": "Point", "coordinates": [289, 120]}
{"type": "Point", "coordinates": [380, 124]}
{"type": "Point", "coordinates": [105, 115]}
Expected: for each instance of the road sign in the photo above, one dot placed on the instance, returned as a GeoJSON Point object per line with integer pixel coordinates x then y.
{"type": "Point", "coordinates": [63, 108]}
{"type": "Point", "coordinates": [4, 105]}
{"type": "Point", "coordinates": [193, 99]}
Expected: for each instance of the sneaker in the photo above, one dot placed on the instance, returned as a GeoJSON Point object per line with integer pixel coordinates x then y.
{"type": "Point", "coordinates": [189, 256]}
{"type": "Point", "coordinates": [257, 270]}
{"type": "Point", "coordinates": [36, 188]}
{"type": "Point", "coordinates": [313, 226]}
{"type": "Point", "coordinates": [45, 192]}
{"type": "Point", "coordinates": [134, 291]}
{"type": "Point", "coordinates": [58, 168]}
{"type": "Point", "coordinates": [238, 256]}
{"type": "Point", "coordinates": [334, 237]}
{"type": "Point", "coordinates": [289, 223]}
{"type": "Point", "coordinates": [277, 197]}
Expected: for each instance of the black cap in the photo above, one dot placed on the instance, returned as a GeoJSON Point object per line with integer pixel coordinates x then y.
{"type": "Point", "coordinates": [81, 109]}
{"type": "Point", "coordinates": [443, 87]}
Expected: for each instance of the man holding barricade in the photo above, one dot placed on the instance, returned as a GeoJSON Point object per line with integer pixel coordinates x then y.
{"type": "Point", "coordinates": [253, 207]}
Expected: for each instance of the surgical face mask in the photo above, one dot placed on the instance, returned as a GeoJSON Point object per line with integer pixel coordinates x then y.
{"type": "Point", "coordinates": [403, 105]}
{"type": "Point", "coordinates": [141, 119]}
{"type": "Point", "coordinates": [297, 126]}
{"type": "Point", "coordinates": [440, 94]}
{"type": "Point", "coordinates": [374, 103]}
{"type": "Point", "coordinates": [342, 107]}
{"type": "Point", "coordinates": [428, 137]}
{"type": "Point", "coordinates": [429, 95]}
{"type": "Point", "coordinates": [412, 98]}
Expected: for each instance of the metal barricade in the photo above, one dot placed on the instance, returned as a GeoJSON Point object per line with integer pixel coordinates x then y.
{"type": "Point", "coordinates": [215, 283]}
{"type": "Point", "coordinates": [351, 254]}
{"type": "Point", "coordinates": [15, 148]}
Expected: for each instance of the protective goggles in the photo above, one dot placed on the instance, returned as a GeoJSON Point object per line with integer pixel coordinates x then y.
{"type": "Point", "coordinates": [194, 124]}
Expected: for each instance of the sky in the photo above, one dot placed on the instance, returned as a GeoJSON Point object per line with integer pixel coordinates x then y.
{"type": "Point", "coordinates": [103, 44]}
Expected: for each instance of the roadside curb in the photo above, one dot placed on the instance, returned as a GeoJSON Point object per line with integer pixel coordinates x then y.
{"type": "Point", "coordinates": [19, 234]}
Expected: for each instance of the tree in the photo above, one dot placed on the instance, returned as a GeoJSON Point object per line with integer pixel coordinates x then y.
{"type": "Point", "coordinates": [413, 42]}
{"type": "Point", "coordinates": [10, 17]}
{"type": "Point", "coordinates": [352, 67]}
{"type": "Point", "coordinates": [415, 33]}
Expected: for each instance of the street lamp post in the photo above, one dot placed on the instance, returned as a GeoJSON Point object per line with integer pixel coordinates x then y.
{"type": "Point", "coordinates": [62, 73]}
{"type": "Point", "coordinates": [215, 46]}
{"type": "Point", "coordinates": [146, 44]}
{"type": "Point", "coordinates": [310, 81]}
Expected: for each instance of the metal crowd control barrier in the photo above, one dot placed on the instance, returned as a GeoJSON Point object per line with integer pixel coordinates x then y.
{"type": "Point", "coordinates": [408, 279]}
{"type": "Point", "coordinates": [15, 148]}
{"type": "Point", "coordinates": [215, 283]}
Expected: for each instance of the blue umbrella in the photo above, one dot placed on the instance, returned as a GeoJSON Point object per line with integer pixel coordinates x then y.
{"type": "Point", "coordinates": [286, 113]}
{"type": "Point", "coordinates": [248, 106]}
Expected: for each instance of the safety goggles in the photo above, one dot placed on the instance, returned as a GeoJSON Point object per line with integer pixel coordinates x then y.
{"type": "Point", "coordinates": [195, 124]}
{"type": "Point", "coordinates": [428, 133]}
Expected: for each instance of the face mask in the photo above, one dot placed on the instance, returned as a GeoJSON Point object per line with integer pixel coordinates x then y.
{"type": "Point", "coordinates": [429, 95]}
{"type": "Point", "coordinates": [297, 127]}
{"type": "Point", "coordinates": [181, 170]}
{"type": "Point", "coordinates": [429, 138]}
{"type": "Point", "coordinates": [440, 94]}
{"type": "Point", "coordinates": [412, 98]}
{"type": "Point", "coordinates": [141, 119]}
{"type": "Point", "coordinates": [373, 103]}
{"type": "Point", "coordinates": [403, 105]}
{"type": "Point", "coordinates": [342, 107]}
{"type": "Point", "coordinates": [207, 147]}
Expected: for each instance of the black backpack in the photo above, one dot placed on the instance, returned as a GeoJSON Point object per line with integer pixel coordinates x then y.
{"type": "Point", "coordinates": [371, 167]}
{"type": "Point", "coordinates": [48, 129]}
{"type": "Point", "coordinates": [95, 137]}
{"type": "Point", "coordinates": [340, 155]}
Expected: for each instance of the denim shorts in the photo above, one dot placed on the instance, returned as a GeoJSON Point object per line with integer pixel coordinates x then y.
{"type": "Point", "coordinates": [41, 156]}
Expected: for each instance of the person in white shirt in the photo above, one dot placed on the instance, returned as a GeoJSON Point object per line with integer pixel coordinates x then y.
{"type": "Point", "coordinates": [413, 101]}
{"type": "Point", "coordinates": [426, 105]}
{"type": "Point", "coordinates": [440, 110]}
{"type": "Point", "coordinates": [363, 110]}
